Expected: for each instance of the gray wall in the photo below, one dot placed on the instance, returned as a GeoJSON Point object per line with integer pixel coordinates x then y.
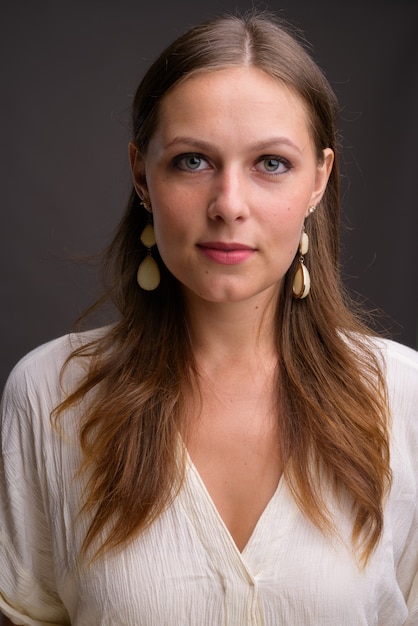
{"type": "Point", "coordinates": [69, 69]}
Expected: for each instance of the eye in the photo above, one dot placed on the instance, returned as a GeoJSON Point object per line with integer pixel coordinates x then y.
{"type": "Point", "coordinates": [191, 162]}
{"type": "Point", "coordinates": [273, 165]}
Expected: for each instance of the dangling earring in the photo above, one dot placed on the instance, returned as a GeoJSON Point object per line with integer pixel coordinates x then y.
{"type": "Point", "coordinates": [148, 275]}
{"type": "Point", "coordinates": [302, 280]}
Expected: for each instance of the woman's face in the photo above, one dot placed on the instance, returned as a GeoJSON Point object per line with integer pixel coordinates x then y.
{"type": "Point", "coordinates": [230, 172]}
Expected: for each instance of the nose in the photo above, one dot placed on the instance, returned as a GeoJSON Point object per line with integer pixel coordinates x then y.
{"type": "Point", "coordinates": [229, 199]}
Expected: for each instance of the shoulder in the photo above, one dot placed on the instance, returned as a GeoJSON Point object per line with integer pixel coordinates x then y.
{"type": "Point", "coordinates": [39, 378]}
{"type": "Point", "coordinates": [56, 351]}
{"type": "Point", "coordinates": [399, 355]}
{"type": "Point", "coordinates": [400, 364]}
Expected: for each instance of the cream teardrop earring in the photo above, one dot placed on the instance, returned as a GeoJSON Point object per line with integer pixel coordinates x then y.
{"type": "Point", "coordinates": [302, 280]}
{"type": "Point", "coordinates": [148, 275]}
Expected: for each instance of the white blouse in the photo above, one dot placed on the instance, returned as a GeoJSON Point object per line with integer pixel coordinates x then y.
{"type": "Point", "coordinates": [186, 570]}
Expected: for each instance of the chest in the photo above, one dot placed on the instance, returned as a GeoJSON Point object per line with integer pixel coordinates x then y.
{"type": "Point", "coordinates": [186, 566]}
{"type": "Point", "coordinates": [234, 445]}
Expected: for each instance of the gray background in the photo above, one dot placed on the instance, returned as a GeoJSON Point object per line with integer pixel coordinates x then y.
{"type": "Point", "coordinates": [69, 69]}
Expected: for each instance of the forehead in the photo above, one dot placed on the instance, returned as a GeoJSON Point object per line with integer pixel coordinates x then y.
{"type": "Point", "coordinates": [242, 98]}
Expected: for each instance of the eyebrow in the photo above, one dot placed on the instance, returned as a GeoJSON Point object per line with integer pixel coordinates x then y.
{"type": "Point", "coordinates": [256, 147]}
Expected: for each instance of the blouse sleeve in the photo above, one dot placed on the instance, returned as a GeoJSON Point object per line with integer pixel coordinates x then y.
{"type": "Point", "coordinates": [28, 593]}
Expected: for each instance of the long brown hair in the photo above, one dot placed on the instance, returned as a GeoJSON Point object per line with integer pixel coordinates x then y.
{"type": "Point", "coordinates": [330, 379]}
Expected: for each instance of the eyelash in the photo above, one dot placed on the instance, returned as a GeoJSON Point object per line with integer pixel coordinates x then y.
{"type": "Point", "coordinates": [280, 160]}
{"type": "Point", "coordinates": [187, 155]}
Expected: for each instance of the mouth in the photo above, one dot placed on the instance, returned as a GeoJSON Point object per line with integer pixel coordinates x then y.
{"type": "Point", "coordinates": [226, 253]}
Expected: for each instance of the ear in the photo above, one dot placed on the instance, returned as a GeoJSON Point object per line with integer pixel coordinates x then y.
{"type": "Point", "coordinates": [323, 172]}
{"type": "Point", "coordinates": [137, 163]}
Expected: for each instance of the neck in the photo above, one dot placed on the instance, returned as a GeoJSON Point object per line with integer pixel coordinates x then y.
{"type": "Point", "coordinates": [233, 330]}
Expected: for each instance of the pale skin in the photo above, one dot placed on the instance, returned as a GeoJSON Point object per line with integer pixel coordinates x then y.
{"type": "Point", "coordinates": [232, 161]}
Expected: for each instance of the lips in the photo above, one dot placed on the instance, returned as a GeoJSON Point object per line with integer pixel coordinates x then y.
{"type": "Point", "coordinates": [226, 253]}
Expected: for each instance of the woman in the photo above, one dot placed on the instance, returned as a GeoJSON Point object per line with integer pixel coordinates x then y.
{"type": "Point", "coordinates": [236, 448]}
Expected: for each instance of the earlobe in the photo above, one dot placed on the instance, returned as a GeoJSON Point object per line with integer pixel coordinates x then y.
{"type": "Point", "coordinates": [137, 163]}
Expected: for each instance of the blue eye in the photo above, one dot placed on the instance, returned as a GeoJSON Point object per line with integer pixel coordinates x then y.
{"type": "Point", "coordinates": [190, 162]}
{"type": "Point", "coordinates": [273, 165]}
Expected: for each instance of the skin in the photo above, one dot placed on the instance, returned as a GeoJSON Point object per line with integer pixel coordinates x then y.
{"type": "Point", "coordinates": [231, 173]}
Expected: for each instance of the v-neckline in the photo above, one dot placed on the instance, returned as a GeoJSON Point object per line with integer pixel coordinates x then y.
{"type": "Point", "coordinates": [214, 533]}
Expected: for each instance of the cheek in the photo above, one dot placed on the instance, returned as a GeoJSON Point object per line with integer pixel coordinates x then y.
{"type": "Point", "coordinates": [285, 227]}
{"type": "Point", "coordinates": [177, 214]}
{"type": "Point", "coordinates": [170, 228]}
{"type": "Point", "coordinates": [286, 238]}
